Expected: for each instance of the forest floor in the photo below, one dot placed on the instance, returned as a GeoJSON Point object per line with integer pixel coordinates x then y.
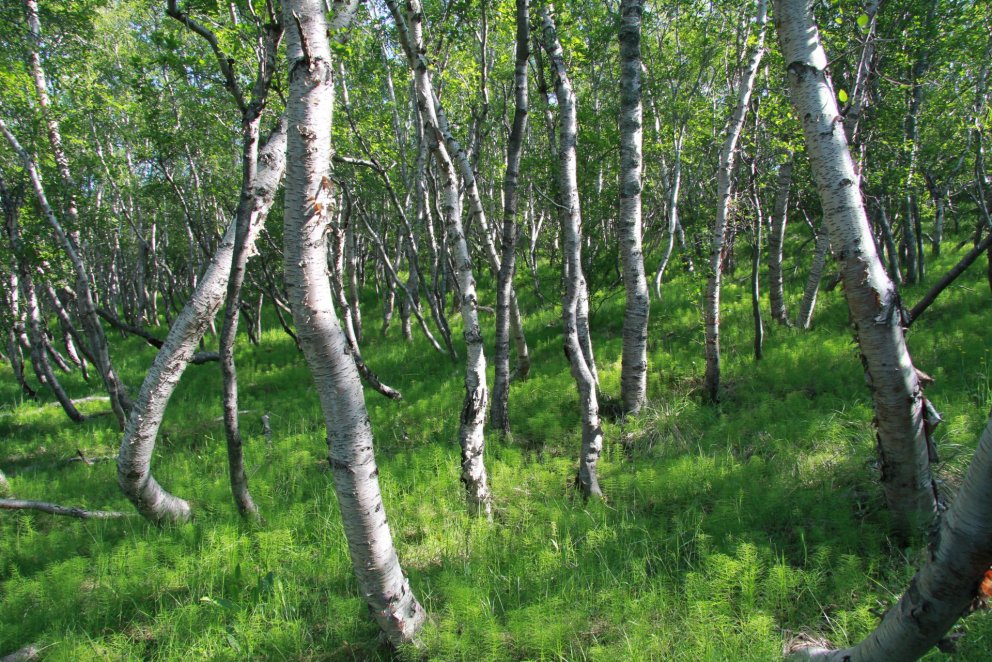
{"type": "Point", "coordinates": [725, 532]}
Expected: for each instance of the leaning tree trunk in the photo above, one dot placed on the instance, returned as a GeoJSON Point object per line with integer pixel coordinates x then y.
{"type": "Point", "coordinates": [349, 433]}
{"type": "Point", "coordinates": [473, 416]}
{"type": "Point", "coordinates": [903, 438]}
{"type": "Point", "coordinates": [724, 185]}
{"type": "Point", "coordinates": [822, 247]}
{"type": "Point", "coordinates": [947, 585]}
{"type": "Point", "coordinates": [570, 215]}
{"type": "Point", "coordinates": [776, 239]}
{"type": "Point", "coordinates": [24, 282]}
{"type": "Point", "coordinates": [120, 402]}
{"type": "Point", "coordinates": [134, 461]}
{"type": "Point", "coordinates": [500, 416]}
{"type": "Point", "coordinates": [634, 361]}
{"type": "Point", "coordinates": [98, 341]}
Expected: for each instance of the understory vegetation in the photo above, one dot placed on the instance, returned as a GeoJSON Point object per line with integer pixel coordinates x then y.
{"type": "Point", "coordinates": [726, 531]}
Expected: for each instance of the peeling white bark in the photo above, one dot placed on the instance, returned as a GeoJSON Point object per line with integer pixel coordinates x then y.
{"type": "Point", "coordinates": [310, 109]}
{"type": "Point", "coordinates": [872, 298]}
{"type": "Point", "coordinates": [634, 361]}
{"type": "Point", "coordinates": [575, 285]}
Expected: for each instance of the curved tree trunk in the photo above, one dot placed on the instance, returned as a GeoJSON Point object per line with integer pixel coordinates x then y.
{"type": "Point", "coordinates": [724, 179]}
{"type": "Point", "coordinates": [507, 313]}
{"type": "Point", "coordinates": [575, 284]}
{"type": "Point", "coordinates": [134, 461]}
{"type": "Point", "coordinates": [634, 361]}
{"type": "Point", "coordinates": [903, 442]}
{"type": "Point", "coordinates": [943, 590]}
{"type": "Point", "coordinates": [349, 433]}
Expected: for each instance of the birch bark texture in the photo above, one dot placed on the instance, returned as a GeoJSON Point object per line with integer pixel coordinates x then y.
{"type": "Point", "coordinates": [947, 584]}
{"type": "Point", "coordinates": [471, 432]}
{"type": "Point", "coordinates": [776, 240]}
{"type": "Point", "coordinates": [570, 216]}
{"type": "Point", "coordinates": [119, 400]}
{"type": "Point", "coordinates": [903, 441]}
{"type": "Point", "coordinates": [308, 210]}
{"type": "Point", "coordinates": [724, 185]}
{"type": "Point", "coordinates": [634, 361]}
{"type": "Point", "coordinates": [134, 459]}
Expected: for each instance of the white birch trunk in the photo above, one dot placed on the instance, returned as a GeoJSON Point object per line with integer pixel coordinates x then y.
{"type": "Point", "coordinates": [874, 303]}
{"type": "Point", "coordinates": [134, 460]}
{"type": "Point", "coordinates": [776, 239]}
{"type": "Point", "coordinates": [812, 289]}
{"type": "Point", "coordinates": [310, 108]}
{"type": "Point", "coordinates": [947, 586]}
{"type": "Point", "coordinates": [571, 221]}
{"type": "Point", "coordinates": [634, 362]}
{"type": "Point", "coordinates": [473, 416]}
{"type": "Point", "coordinates": [724, 186]}
{"type": "Point", "coordinates": [119, 399]}
{"type": "Point", "coordinates": [507, 311]}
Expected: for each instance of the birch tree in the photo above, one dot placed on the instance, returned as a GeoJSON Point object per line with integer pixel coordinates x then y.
{"type": "Point", "coordinates": [309, 209]}
{"type": "Point", "coordinates": [904, 444]}
{"type": "Point", "coordinates": [134, 460]}
{"type": "Point", "coordinates": [119, 399]}
{"type": "Point", "coordinates": [725, 175]}
{"type": "Point", "coordinates": [471, 432]}
{"type": "Point", "coordinates": [776, 239]}
{"type": "Point", "coordinates": [946, 588]}
{"type": "Point", "coordinates": [506, 311]}
{"type": "Point", "coordinates": [574, 315]}
{"type": "Point", "coordinates": [634, 363]}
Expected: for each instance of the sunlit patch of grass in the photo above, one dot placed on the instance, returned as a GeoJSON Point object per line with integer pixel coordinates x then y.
{"type": "Point", "coordinates": [724, 531]}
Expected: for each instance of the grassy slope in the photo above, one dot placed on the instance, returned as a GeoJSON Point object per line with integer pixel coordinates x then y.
{"type": "Point", "coordinates": [724, 532]}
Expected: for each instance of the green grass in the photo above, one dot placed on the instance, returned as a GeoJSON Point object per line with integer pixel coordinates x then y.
{"type": "Point", "coordinates": [725, 530]}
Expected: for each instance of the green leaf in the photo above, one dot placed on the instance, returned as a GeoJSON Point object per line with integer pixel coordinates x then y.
{"type": "Point", "coordinates": [842, 95]}
{"type": "Point", "coordinates": [863, 21]}
{"type": "Point", "coordinates": [839, 20]}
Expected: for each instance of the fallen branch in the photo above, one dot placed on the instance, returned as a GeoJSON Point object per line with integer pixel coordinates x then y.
{"type": "Point", "coordinates": [55, 509]}
{"type": "Point", "coordinates": [90, 461]}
